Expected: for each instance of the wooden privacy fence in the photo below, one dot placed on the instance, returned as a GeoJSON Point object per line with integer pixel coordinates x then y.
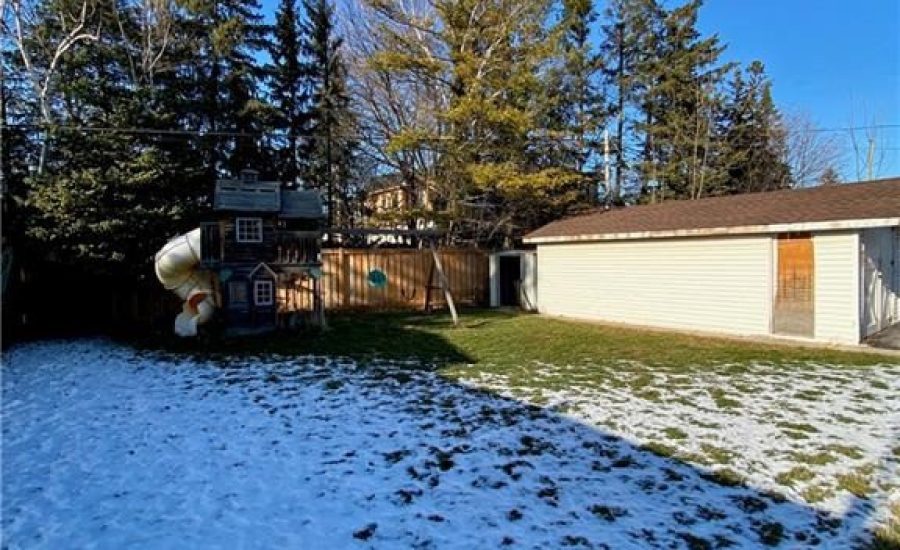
{"type": "Point", "coordinates": [345, 279]}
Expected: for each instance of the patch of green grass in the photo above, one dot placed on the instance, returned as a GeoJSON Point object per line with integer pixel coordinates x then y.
{"type": "Point", "coordinates": [809, 395]}
{"type": "Point", "coordinates": [794, 475]}
{"type": "Point", "coordinates": [743, 387]}
{"type": "Point", "coordinates": [649, 394]}
{"type": "Point", "coordinates": [708, 425]}
{"type": "Point", "coordinates": [865, 410]}
{"type": "Point", "coordinates": [695, 458]}
{"type": "Point", "coordinates": [717, 455]}
{"type": "Point", "coordinates": [724, 476]}
{"type": "Point", "coordinates": [813, 459]}
{"type": "Point", "coordinates": [887, 535]}
{"type": "Point", "coordinates": [855, 483]}
{"type": "Point", "coordinates": [675, 433]}
{"type": "Point", "coordinates": [787, 406]}
{"type": "Point", "coordinates": [538, 399]}
{"type": "Point", "coordinates": [806, 428]}
{"type": "Point", "coordinates": [896, 451]}
{"type": "Point", "coordinates": [660, 449]}
{"type": "Point", "coordinates": [848, 451]}
{"type": "Point", "coordinates": [641, 381]}
{"type": "Point", "coordinates": [500, 340]}
{"type": "Point", "coordinates": [817, 493]}
{"type": "Point", "coordinates": [721, 399]}
{"type": "Point", "coordinates": [845, 419]}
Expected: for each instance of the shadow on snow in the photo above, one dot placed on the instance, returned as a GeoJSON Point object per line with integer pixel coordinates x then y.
{"type": "Point", "coordinates": [105, 445]}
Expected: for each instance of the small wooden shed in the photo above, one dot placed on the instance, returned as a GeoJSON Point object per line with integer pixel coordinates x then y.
{"type": "Point", "coordinates": [513, 279]}
{"type": "Point", "coordinates": [819, 263]}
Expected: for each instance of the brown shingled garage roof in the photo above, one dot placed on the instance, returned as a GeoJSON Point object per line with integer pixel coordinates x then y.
{"type": "Point", "coordinates": [789, 210]}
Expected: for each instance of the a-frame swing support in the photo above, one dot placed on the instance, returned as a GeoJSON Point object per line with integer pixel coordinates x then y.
{"type": "Point", "coordinates": [437, 267]}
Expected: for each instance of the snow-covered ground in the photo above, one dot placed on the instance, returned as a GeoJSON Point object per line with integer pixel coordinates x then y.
{"type": "Point", "coordinates": [104, 446]}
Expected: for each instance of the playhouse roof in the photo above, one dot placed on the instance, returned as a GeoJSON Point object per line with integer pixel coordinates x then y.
{"type": "Point", "coordinates": [301, 203]}
{"type": "Point", "coordinates": [266, 197]}
{"type": "Point", "coordinates": [245, 196]}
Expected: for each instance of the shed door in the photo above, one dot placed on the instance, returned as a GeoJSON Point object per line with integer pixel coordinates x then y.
{"type": "Point", "coordinates": [510, 275]}
{"type": "Point", "coordinates": [794, 307]}
{"type": "Point", "coordinates": [878, 279]}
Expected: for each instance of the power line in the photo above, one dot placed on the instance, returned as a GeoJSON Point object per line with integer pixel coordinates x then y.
{"type": "Point", "coordinates": [852, 128]}
{"type": "Point", "coordinates": [230, 133]}
{"type": "Point", "coordinates": [146, 131]}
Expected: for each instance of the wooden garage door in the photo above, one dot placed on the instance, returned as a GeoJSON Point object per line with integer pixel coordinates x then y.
{"type": "Point", "coordinates": [794, 308]}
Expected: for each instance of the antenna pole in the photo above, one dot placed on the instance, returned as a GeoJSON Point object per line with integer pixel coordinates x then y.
{"type": "Point", "coordinates": [870, 158]}
{"type": "Point", "coordinates": [606, 160]}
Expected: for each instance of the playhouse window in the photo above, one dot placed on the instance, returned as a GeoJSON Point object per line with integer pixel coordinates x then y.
{"type": "Point", "coordinates": [263, 293]}
{"type": "Point", "coordinates": [249, 230]}
{"type": "Point", "coordinates": [237, 292]}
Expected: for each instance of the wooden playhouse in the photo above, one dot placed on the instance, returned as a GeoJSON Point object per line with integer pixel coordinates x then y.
{"type": "Point", "coordinates": [264, 245]}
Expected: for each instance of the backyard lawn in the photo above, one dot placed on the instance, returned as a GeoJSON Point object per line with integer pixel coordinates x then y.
{"type": "Point", "coordinates": [401, 430]}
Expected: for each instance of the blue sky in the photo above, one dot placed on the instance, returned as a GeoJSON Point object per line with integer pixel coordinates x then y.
{"type": "Point", "coordinates": [837, 60]}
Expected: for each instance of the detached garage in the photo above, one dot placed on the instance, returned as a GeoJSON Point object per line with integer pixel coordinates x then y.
{"type": "Point", "coordinates": [818, 263]}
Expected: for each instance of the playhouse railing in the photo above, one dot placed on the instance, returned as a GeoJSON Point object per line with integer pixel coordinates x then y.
{"type": "Point", "coordinates": [210, 243]}
{"type": "Point", "coordinates": [297, 247]}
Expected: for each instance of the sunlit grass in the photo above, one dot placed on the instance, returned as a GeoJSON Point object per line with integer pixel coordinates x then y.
{"type": "Point", "coordinates": [504, 342]}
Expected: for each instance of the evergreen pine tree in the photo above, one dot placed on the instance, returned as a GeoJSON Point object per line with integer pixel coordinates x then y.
{"type": "Point", "coordinates": [330, 126]}
{"type": "Point", "coordinates": [630, 44]}
{"type": "Point", "coordinates": [228, 35]}
{"type": "Point", "coordinates": [109, 194]}
{"type": "Point", "coordinates": [577, 110]}
{"type": "Point", "coordinates": [287, 86]}
{"type": "Point", "coordinates": [681, 104]}
{"type": "Point", "coordinates": [755, 140]}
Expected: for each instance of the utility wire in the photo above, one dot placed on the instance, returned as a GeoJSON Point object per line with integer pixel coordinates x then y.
{"type": "Point", "coordinates": [227, 133]}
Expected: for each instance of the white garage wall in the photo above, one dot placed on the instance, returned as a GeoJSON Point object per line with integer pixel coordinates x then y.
{"type": "Point", "coordinates": [718, 284]}
{"type": "Point", "coordinates": [836, 257]}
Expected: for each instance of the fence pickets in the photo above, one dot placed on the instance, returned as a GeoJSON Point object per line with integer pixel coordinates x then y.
{"type": "Point", "coordinates": [345, 279]}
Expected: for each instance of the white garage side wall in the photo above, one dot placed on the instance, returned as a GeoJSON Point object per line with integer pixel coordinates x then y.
{"type": "Point", "coordinates": [529, 281]}
{"type": "Point", "coordinates": [716, 284]}
{"type": "Point", "coordinates": [494, 278]}
{"type": "Point", "coordinates": [837, 289]}
{"type": "Point", "coordinates": [880, 291]}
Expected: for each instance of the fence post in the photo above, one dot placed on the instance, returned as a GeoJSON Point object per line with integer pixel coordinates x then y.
{"type": "Point", "coordinates": [345, 278]}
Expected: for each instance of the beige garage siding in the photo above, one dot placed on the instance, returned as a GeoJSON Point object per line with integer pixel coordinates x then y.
{"type": "Point", "coordinates": [837, 287]}
{"type": "Point", "coordinates": [716, 284]}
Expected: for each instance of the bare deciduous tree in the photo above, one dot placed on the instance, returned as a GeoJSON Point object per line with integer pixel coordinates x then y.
{"type": "Point", "coordinates": [809, 152]}
{"type": "Point", "coordinates": [867, 146]}
{"type": "Point", "coordinates": [154, 20]}
{"type": "Point", "coordinates": [42, 52]}
{"type": "Point", "coordinates": [388, 104]}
